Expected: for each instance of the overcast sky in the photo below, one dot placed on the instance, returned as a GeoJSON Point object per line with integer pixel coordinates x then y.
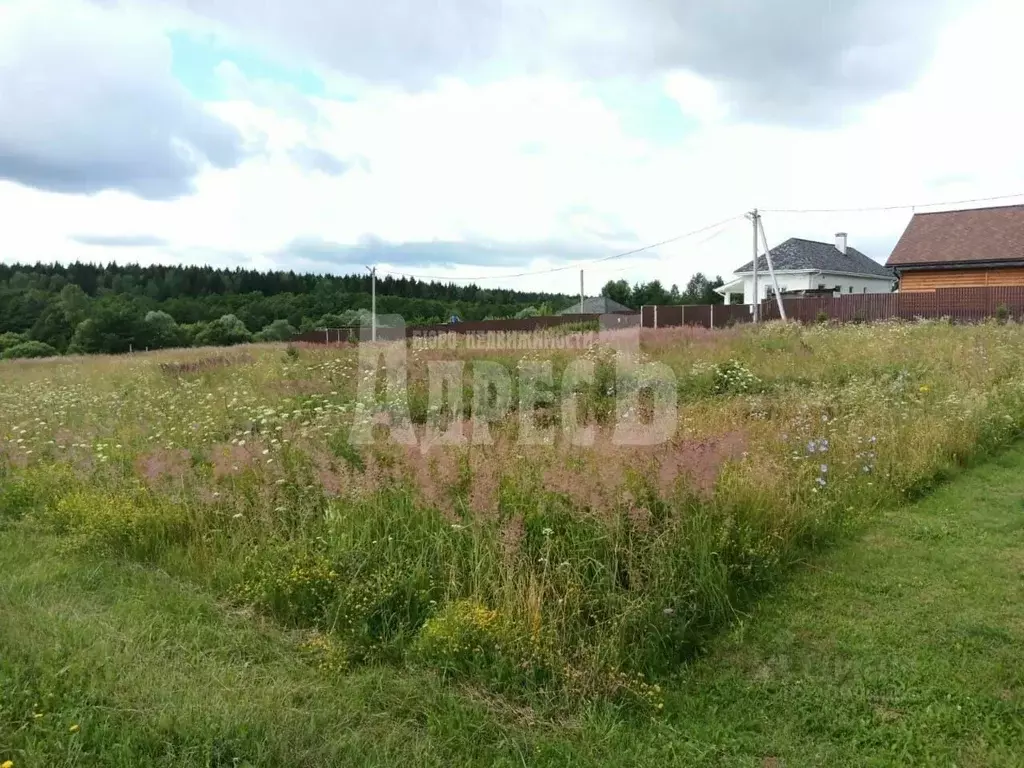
{"type": "Point", "coordinates": [469, 138]}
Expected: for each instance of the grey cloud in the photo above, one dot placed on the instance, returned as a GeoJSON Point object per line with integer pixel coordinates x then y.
{"type": "Point", "coordinates": [89, 104]}
{"type": "Point", "coordinates": [314, 159]}
{"type": "Point", "coordinates": [120, 241]}
{"type": "Point", "coordinates": [789, 61]}
{"type": "Point", "coordinates": [441, 253]}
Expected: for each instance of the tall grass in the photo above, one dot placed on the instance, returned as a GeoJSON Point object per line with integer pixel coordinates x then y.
{"type": "Point", "coordinates": [538, 570]}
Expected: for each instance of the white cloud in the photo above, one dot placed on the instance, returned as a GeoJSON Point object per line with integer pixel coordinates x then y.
{"type": "Point", "coordinates": [88, 104]}
{"type": "Point", "coordinates": [544, 160]}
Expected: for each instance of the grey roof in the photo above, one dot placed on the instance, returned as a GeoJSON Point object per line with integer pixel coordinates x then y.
{"type": "Point", "coordinates": [597, 305]}
{"type": "Point", "coordinates": [797, 253]}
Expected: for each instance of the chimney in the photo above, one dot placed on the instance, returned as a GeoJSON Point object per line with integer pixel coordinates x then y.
{"type": "Point", "coordinates": [841, 242]}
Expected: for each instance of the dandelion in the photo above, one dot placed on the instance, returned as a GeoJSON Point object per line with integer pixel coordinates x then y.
{"type": "Point", "coordinates": [75, 728]}
{"type": "Point", "coordinates": [824, 468]}
{"type": "Point", "coordinates": [7, 764]}
{"type": "Point", "coordinates": [811, 447]}
{"type": "Point", "coordinates": [821, 481]}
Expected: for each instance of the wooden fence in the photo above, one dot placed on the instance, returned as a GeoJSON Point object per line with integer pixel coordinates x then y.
{"type": "Point", "coordinates": [963, 305]}
{"type": "Point", "coordinates": [524, 325]}
{"type": "Point", "coordinates": [704, 315]}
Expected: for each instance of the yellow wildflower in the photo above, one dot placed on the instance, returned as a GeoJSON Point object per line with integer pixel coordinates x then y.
{"type": "Point", "coordinates": [75, 728]}
{"type": "Point", "coordinates": [7, 764]}
{"type": "Point", "coordinates": [925, 387]}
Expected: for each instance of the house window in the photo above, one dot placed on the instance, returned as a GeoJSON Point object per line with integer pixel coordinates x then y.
{"type": "Point", "coordinates": [821, 286]}
{"type": "Point", "coordinates": [851, 289]}
{"type": "Point", "coordinates": [865, 289]}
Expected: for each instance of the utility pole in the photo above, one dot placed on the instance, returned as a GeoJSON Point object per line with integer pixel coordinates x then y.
{"type": "Point", "coordinates": [771, 269]}
{"type": "Point", "coordinates": [755, 217]}
{"type": "Point", "coordinates": [373, 303]}
{"type": "Point", "coordinates": [581, 291]}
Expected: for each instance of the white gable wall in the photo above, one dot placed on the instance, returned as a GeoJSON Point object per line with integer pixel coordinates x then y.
{"type": "Point", "coordinates": [806, 280]}
{"type": "Point", "coordinates": [861, 284]}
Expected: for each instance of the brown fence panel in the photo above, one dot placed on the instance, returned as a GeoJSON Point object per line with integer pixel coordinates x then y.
{"type": "Point", "coordinates": [670, 316]}
{"type": "Point", "coordinates": [697, 314]}
{"type": "Point", "coordinates": [723, 316]}
{"type": "Point", "coordinates": [959, 304]}
{"type": "Point", "coordinates": [510, 324]}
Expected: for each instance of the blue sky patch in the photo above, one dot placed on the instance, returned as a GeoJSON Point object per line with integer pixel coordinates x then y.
{"type": "Point", "coordinates": [196, 56]}
{"type": "Point", "coordinates": [646, 110]}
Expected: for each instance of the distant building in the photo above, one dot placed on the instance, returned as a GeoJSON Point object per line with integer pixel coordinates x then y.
{"type": "Point", "coordinates": [961, 249]}
{"type": "Point", "coordinates": [597, 305]}
{"type": "Point", "coordinates": [811, 268]}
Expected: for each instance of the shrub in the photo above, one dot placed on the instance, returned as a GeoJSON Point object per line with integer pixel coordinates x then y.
{"type": "Point", "coordinates": [225, 331]}
{"type": "Point", "coordinates": [821, 317]}
{"type": "Point", "coordinates": [1002, 314]}
{"type": "Point", "coordinates": [279, 330]}
{"type": "Point", "coordinates": [27, 349]}
{"type": "Point", "coordinates": [9, 339]}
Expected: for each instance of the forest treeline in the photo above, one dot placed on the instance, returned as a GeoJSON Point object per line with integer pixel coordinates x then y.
{"type": "Point", "coordinates": [78, 308]}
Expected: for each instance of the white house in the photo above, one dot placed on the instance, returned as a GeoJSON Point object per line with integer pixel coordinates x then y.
{"type": "Point", "coordinates": [809, 267]}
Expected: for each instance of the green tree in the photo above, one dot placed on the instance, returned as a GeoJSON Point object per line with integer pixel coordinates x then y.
{"type": "Point", "coordinates": [279, 330]}
{"type": "Point", "coordinates": [114, 326]}
{"type": "Point", "coordinates": [225, 331]}
{"type": "Point", "coordinates": [160, 331]}
{"type": "Point", "coordinates": [701, 290]}
{"type": "Point", "coordinates": [52, 326]}
{"type": "Point", "coordinates": [75, 304]}
{"type": "Point", "coordinates": [619, 290]}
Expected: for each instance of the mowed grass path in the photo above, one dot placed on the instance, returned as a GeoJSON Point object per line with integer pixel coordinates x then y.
{"type": "Point", "coordinates": [902, 647]}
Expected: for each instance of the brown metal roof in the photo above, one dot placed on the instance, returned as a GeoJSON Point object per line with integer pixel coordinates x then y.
{"type": "Point", "coordinates": [962, 237]}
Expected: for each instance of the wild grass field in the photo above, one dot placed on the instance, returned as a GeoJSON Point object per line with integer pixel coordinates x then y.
{"type": "Point", "coordinates": [532, 573]}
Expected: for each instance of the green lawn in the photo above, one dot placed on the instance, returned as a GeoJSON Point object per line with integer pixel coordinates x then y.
{"type": "Point", "coordinates": [903, 647]}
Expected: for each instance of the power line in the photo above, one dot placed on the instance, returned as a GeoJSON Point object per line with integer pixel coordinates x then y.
{"type": "Point", "coordinates": [892, 207]}
{"type": "Point", "coordinates": [575, 265]}
{"type": "Point", "coordinates": [698, 244]}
